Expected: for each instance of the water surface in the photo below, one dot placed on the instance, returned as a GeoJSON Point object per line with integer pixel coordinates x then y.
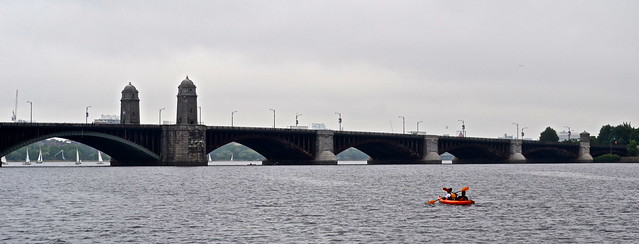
{"type": "Point", "coordinates": [291, 204]}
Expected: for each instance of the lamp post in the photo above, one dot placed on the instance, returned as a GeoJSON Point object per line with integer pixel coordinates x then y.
{"type": "Point", "coordinates": [160, 116]}
{"type": "Point", "coordinates": [568, 132]}
{"type": "Point", "coordinates": [339, 120]}
{"type": "Point", "coordinates": [86, 119]}
{"type": "Point", "coordinates": [30, 111]}
{"type": "Point", "coordinates": [517, 131]}
{"type": "Point", "coordinates": [418, 126]}
{"type": "Point", "coordinates": [463, 127]}
{"type": "Point", "coordinates": [403, 124]}
{"type": "Point", "coordinates": [200, 107]}
{"type": "Point", "coordinates": [273, 116]}
{"type": "Point", "coordinates": [296, 120]}
{"type": "Point", "coordinates": [232, 117]}
{"type": "Point", "coordinates": [522, 132]}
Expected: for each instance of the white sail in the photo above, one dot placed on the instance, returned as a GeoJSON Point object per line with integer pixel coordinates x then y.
{"type": "Point", "coordinates": [4, 160]}
{"type": "Point", "coordinates": [27, 161]}
{"type": "Point", "coordinates": [39, 161]}
{"type": "Point", "coordinates": [77, 157]}
{"type": "Point", "coordinates": [100, 161]}
{"type": "Point", "coordinates": [231, 156]}
{"type": "Point", "coordinates": [210, 158]}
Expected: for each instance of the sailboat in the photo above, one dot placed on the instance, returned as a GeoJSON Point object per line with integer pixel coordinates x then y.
{"type": "Point", "coordinates": [39, 161]}
{"type": "Point", "coordinates": [77, 157]}
{"type": "Point", "coordinates": [27, 161]}
{"type": "Point", "coordinates": [210, 160]}
{"type": "Point", "coordinates": [231, 156]}
{"type": "Point", "coordinates": [100, 161]}
{"type": "Point", "coordinates": [4, 160]}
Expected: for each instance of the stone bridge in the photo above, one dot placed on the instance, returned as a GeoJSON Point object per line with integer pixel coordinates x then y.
{"type": "Point", "coordinates": [187, 145]}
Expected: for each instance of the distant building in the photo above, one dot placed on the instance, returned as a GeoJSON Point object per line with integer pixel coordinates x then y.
{"type": "Point", "coordinates": [566, 136]}
{"type": "Point", "coordinates": [506, 136]}
{"type": "Point", "coordinates": [318, 126]}
{"type": "Point", "coordinates": [296, 127]}
{"type": "Point", "coordinates": [107, 119]}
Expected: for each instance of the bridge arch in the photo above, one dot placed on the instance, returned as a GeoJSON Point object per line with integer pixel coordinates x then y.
{"type": "Point", "coordinates": [272, 148]}
{"type": "Point", "coordinates": [382, 150]}
{"type": "Point", "coordinates": [118, 148]}
{"type": "Point", "coordinates": [549, 154]}
{"type": "Point", "coordinates": [475, 150]}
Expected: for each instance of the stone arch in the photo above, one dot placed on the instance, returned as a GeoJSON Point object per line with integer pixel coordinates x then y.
{"type": "Point", "coordinates": [116, 147]}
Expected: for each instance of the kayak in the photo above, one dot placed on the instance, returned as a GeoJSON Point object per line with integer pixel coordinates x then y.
{"type": "Point", "coordinates": [455, 202]}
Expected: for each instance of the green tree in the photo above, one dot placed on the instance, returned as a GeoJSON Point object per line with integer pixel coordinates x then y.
{"type": "Point", "coordinates": [632, 148]}
{"type": "Point", "coordinates": [549, 135]}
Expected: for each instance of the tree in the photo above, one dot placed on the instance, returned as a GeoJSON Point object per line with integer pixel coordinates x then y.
{"type": "Point", "coordinates": [632, 148]}
{"type": "Point", "coordinates": [549, 135]}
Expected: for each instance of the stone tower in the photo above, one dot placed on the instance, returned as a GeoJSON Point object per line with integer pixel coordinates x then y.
{"type": "Point", "coordinates": [186, 103]}
{"type": "Point", "coordinates": [130, 106]}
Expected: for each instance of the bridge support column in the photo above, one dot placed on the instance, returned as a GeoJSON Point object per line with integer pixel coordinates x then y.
{"type": "Point", "coordinates": [584, 148]}
{"type": "Point", "coordinates": [431, 150]}
{"type": "Point", "coordinates": [183, 145]}
{"type": "Point", "coordinates": [324, 152]}
{"type": "Point", "coordinates": [515, 152]}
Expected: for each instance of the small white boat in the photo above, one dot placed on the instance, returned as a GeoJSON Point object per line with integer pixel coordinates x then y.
{"type": "Point", "coordinates": [210, 158]}
{"type": "Point", "coordinates": [27, 161]}
{"type": "Point", "coordinates": [39, 161]}
{"type": "Point", "coordinates": [231, 156]}
{"type": "Point", "coordinates": [4, 160]}
{"type": "Point", "coordinates": [100, 161]}
{"type": "Point", "coordinates": [77, 157]}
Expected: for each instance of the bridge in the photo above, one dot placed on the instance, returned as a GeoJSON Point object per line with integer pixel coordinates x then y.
{"type": "Point", "coordinates": [187, 143]}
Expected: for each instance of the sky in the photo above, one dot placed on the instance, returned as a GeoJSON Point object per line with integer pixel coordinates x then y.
{"type": "Point", "coordinates": [539, 64]}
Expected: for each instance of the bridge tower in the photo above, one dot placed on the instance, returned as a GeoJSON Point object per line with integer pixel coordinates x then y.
{"type": "Point", "coordinates": [187, 103]}
{"type": "Point", "coordinates": [130, 106]}
{"type": "Point", "coordinates": [184, 144]}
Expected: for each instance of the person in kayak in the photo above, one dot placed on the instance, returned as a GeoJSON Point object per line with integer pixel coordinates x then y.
{"type": "Point", "coordinates": [463, 196]}
{"type": "Point", "coordinates": [450, 195]}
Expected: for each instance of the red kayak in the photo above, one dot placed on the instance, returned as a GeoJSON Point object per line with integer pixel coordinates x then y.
{"type": "Point", "coordinates": [455, 202]}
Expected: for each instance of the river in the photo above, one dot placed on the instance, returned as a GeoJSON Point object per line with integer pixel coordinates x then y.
{"type": "Point", "coordinates": [574, 203]}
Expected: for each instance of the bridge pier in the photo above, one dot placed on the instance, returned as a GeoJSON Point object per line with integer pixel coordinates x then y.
{"type": "Point", "coordinates": [183, 145]}
{"type": "Point", "coordinates": [431, 150]}
{"type": "Point", "coordinates": [515, 152]}
{"type": "Point", "coordinates": [584, 148]}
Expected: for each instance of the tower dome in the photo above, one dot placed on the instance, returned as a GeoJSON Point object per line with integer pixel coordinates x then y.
{"type": "Point", "coordinates": [129, 89]}
{"type": "Point", "coordinates": [187, 83]}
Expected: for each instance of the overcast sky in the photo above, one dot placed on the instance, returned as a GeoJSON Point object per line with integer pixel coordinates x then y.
{"type": "Point", "coordinates": [489, 63]}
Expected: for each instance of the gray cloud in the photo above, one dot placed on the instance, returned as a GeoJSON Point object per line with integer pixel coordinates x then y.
{"type": "Point", "coordinates": [491, 63]}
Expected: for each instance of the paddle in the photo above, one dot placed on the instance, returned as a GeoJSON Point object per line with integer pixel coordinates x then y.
{"type": "Point", "coordinates": [463, 189]}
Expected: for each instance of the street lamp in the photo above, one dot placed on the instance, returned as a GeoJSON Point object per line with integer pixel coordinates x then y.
{"type": "Point", "coordinates": [200, 107]}
{"type": "Point", "coordinates": [418, 126]}
{"type": "Point", "coordinates": [232, 117]}
{"type": "Point", "coordinates": [273, 116]}
{"type": "Point", "coordinates": [522, 132]}
{"type": "Point", "coordinates": [160, 116]}
{"type": "Point", "coordinates": [296, 116]}
{"type": "Point", "coordinates": [339, 120]}
{"type": "Point", "coordinates": [463, 127]}
{"type": "Point", "coordinates": [31, 111]}
{"type": "Point", "coordinates": [568, 132]}
{"type": "Point", "coordinates": [517, 132]}
{"type": "Point", "coordinates": [86, 119]}
{"type": "Point", "coordinates": [403, 124]}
